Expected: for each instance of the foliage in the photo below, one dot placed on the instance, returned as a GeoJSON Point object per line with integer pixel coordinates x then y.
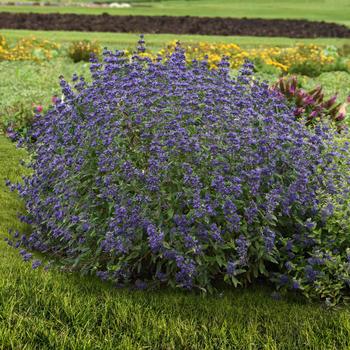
{"type": "Point", "coordinates": [82, 50]}
{"type": "Point", "coordinates": [329, 263]}
{"type": "Point", "coordinates": [312, 60]}
{"type": "Point", "coordinates": [160, 173]}
{"type": "Point", "coordinates": [312, 106]}
{"type": "Point", "coordinates": [28, 49]}
{"type": "Point", "coordinates": [331, 82]}
{"type": "Point", "coordinates": [21, 97]}
{"type": "Point", "coordinates": [345, 50]}
{"type": "Point", "coordinates": [19, 122]}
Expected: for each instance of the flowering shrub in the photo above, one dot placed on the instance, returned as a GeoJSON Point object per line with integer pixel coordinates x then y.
{"type": "Point", "coordinates": [309, 60]}
{"type": "Point", "coordinates": [28, 49]}
{"type": "Point", "coordinates": [325, 271]}
{"type": "Point", "coordinates": [163, 173]}
{"type": "Point", "coordinates": [82, 50]}
{"type": "Point", "coordinates": [311, 106]}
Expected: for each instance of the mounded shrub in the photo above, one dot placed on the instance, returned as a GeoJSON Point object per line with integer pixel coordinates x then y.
{"type": "Point", "coordinates": [162, 173]}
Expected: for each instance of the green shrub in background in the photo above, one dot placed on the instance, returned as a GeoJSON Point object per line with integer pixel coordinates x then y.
{"type": "Point", "coordinates": [82, 50]}
{"type": "Point", "coordinates": [345, 50]}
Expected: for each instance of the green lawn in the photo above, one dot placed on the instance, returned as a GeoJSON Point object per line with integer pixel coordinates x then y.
{"type": "Point", "coordinates": [53, 310]}
{"type": "Point", "coordinates": [156, 41]}
{"type": "Point", "coordinates": [327, 10]}
{"type": "Point", "coordinates": [26, 83]}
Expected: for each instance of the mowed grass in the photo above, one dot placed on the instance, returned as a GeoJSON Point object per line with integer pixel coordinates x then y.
{"type": "Point", "coordinates": [24, 84]}
{"type": "Point", "coordinates": [53, 310]}
{"type": "Point", "coordinates": [326, 10]}
{"type": "Point", "coordinates": [157, 41]}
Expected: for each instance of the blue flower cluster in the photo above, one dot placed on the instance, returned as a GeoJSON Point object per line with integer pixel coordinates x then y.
{"type": "Point", "coordinates": [158, 172]}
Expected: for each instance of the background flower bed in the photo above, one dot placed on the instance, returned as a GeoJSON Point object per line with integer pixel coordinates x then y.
{"type": "Point", "coordinates": [307, 59]}
{"type": "Point", "coordinates": [198, 231]}
{"type": "Point", "coordinates": [21, 97]}
{"type": "Point", "coordinates": [28, 49]}
{"type": "Point", "coordinates": [304, 59]}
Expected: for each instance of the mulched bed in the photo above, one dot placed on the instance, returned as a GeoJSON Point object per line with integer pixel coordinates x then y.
{"type": "Point", "coordinates": [173, 25]}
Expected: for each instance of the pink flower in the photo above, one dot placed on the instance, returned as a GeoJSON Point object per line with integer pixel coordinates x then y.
{"type": "Point", "coordinates": [309, 100]}
{"type": "Point", "coordinates": [313, 114]}
{"type": "Point", "coordinates": [39, 108]}
{"type": "Point", "coordinates": [299, 111]}
{"type": "Point", "coordinates": [340, 117]}
{"type": "Point", "coordinates": [330, 102]}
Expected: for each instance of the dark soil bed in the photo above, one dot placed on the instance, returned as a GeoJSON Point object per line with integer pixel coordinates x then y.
{"type": "Point", "coordinates": [173, 25]}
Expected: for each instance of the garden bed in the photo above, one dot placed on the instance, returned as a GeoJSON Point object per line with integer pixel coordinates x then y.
{"type": "Point", "coordinates": [174, 25]}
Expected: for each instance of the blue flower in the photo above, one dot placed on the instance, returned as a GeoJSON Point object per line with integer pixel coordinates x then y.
{"type": "Point", "coordinates": [36, 264]}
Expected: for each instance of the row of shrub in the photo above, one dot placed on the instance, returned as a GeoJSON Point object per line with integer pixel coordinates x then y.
{"type": "Point", "coordinates": [163, 173]}
{"type": "Point", "coordinates": [37, 50]}
{"type": "Point", "coordinates": [304, 59]}
{"type": "Point", "coordinates": [309, 60]}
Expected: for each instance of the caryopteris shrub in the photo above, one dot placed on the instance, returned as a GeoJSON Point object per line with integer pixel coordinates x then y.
{"type": "Point", "coordinates": [162, 173]}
